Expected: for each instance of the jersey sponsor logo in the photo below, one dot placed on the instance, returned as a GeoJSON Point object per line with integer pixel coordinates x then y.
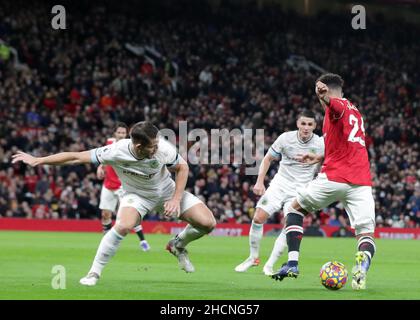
{"type": "Point", "coordinates": [127, 163]}
{"type": "Point", "coordinates": [138, 175]}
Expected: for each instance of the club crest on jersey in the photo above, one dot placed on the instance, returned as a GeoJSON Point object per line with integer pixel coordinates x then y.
{"type": "Point", "coordinates": [264, 201]}
{"type": "Point", "coordinates": [154, 164]}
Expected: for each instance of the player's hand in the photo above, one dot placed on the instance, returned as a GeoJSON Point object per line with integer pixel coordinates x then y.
{"type": "Point", "coordinates": [308, 158]}
{"type": "Point", "coordinates": [172, 208]}
{"type": "Point", "coordinates": [321, 89]}
{"type": "Point", "coordinates": [259, 189]}
{"type": "Point", "coordinates": [100, 173]}
{"type": "Point", "coordinates": [25, 158]}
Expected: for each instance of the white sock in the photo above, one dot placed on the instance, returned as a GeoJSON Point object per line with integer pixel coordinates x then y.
{"type": "Point", "coordinates": [187, 235]}
{"type": "Point", "coordinates": [279, 246]}
{"type": "Point", "coordinates": [106, 250]}
{"type": "Point", "coordinates": [293, 256]}
{"type": "Point", "coordinates": [138, 228]}
{"type": "Point", "coordinates": [255, 236]}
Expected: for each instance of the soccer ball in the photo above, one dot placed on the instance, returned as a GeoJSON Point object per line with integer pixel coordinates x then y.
{"type": "Point", "coordinates": [333, 275]}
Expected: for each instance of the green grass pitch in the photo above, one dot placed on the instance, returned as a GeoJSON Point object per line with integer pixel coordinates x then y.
{"type": "Point", "coordinates": [27, 259]}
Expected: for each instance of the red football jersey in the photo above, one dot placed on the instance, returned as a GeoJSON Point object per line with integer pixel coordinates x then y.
{"type": "Point", "coordinates": [346, 157]}
{"type": "Point", "coordinates": [111, 180]}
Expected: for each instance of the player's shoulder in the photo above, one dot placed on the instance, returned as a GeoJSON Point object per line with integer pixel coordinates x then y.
{"type": "Point", "coordinates": [121, 143]}
{"type": "Point", "coordinates": [318, 137]}
{"type": "Point", "coordinates": [165, 150]}
{"type": "Point", "coordinates": [118, 151]}
{"type": "Point", "coordinates": [164, 145]}
{"type": "Point", "coordinates": [284, 138]}
{"type": "Point", "coordinates": [318, 140]}
{"type": "Point", "coordinates": [348, 104]}
{"type": "Point", "coordinates": [120, 146]}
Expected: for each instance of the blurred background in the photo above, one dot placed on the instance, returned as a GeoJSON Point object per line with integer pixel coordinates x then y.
{"type": "Point", "coordinates": [216, 64]}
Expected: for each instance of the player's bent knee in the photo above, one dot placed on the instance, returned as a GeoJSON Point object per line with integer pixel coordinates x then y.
{"type": "Point", "coordinates": [260, 216]}
{"type": "Point", "coordinates": [106, 214]}
{"type": "Point", "coordinates": [201, 217]}
{"type": "Point", "coordinates": [209, 225]}
{"type": "Point", "coordinates": [123, 228]}
{"type": "Point", "coordinates": [297, 209]}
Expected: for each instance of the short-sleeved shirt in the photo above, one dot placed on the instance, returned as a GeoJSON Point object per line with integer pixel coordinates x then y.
{"type": "Point", "coordinates": [292, 173]}
{"type": "Point", "coordinates": [147, 176]}
{"type": "Point", "coordinates": [346, 156]}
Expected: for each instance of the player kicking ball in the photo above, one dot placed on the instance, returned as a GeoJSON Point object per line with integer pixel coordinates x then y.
{"type": "Point", "coordinates": [345, 177]}
{"type": "Point", "coordinates": [291, 175]}
{"type": "Point", "coordinates": [142, 164]}
{"type": "Point", "coordinates": [112, 190]}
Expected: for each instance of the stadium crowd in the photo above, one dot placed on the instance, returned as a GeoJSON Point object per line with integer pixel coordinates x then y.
{"type": "Point", "coordinates": [214, 69]}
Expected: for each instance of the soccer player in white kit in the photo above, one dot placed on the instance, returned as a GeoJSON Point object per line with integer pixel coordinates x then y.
{"type": "Point", "coordinates": [112, 189]}
{"type": "Point", "coordinates": [142, 164]}
{"type": "Point", "coordinates": [291, 175]}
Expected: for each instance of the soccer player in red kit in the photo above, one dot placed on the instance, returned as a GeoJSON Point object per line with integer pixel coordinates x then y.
{"type": "Point", "coordinates": [111, 189]}
{"type": "Point", "coordinates": [345, 177]}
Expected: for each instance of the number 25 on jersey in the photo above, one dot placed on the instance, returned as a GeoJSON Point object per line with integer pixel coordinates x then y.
{"type": "Point", "coordinates": [354, 123]}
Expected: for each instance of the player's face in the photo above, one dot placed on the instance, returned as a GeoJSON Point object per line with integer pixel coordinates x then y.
{"type": "Point", "coordinates": [120, 133]}
{"type": "Point", "coordinates": [306, 127]}
{"type": "Point", "coordinates": [149, 150]}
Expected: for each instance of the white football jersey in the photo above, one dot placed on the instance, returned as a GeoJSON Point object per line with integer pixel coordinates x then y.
{"type": "Point", "coordinates": [147, 177]}
{"type": "Point", "coordinates": [293, 174]}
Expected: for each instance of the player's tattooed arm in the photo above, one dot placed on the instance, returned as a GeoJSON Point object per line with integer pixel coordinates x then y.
{"type": "Point", "coordinates": [62, 158]}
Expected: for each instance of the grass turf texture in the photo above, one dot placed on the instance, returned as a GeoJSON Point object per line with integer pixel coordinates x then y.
{"type": "Point", "coordinates": [27, 259]}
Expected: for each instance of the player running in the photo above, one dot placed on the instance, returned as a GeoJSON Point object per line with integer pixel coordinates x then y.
{"type": "Point", "coordinates": [142, 164]}
{"type": "Point", "coordinates": [345, 177]}
{"type": "Point", "coordinates": [111, 189]}
{"type": "Point", "coordinates": [291, 175]}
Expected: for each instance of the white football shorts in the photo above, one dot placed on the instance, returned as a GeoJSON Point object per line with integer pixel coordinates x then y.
{"type": "Point", "coordinates": [144, 205]}
{"type": "Point", "coordinates": [357, 201]}
{"type": "Point", "coordinates": [273, 200]}
{"type": "Point", "coordinates": [109, 199]}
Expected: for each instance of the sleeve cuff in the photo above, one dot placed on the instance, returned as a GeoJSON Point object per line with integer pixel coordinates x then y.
{"type": "Point", "coordinates": [93, 157]}
{"type": "Point", "coordinates": [174, 162]}
{"type": "Point", "coordinates": [274, 153]}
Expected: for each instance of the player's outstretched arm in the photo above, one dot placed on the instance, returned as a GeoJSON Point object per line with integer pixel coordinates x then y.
{"type": "Point", "coordinates": [62, 158]}
{"type": "Point", "coordinates": [173, 206]}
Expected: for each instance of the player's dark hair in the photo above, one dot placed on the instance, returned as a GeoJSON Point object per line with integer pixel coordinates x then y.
{"type": "Point", "coordinates": [306, 114]}
{"type": "Point", "coordinates": [332, 80]}
{"type": "Point", "coordinates": [120, 125]}
{"type": "Point", "coordinates": [143, 132]}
